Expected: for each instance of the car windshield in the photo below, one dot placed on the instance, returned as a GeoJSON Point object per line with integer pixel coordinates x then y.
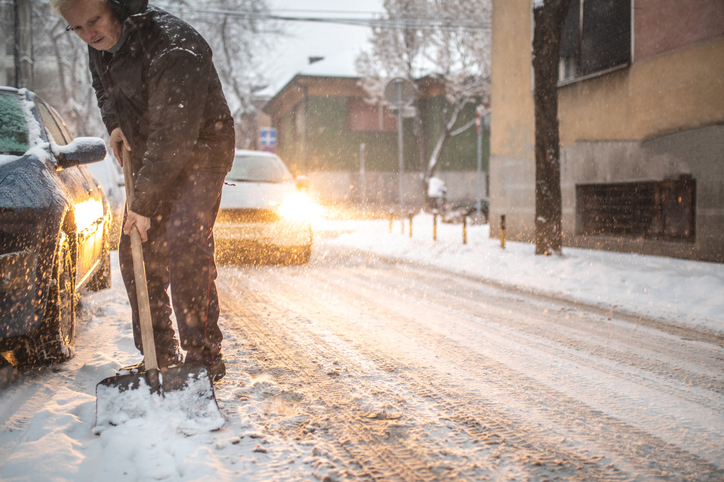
{"type": "Point", "coordinates": [258, 169]}
{"type": "Point", "coordinates": [14, 137]}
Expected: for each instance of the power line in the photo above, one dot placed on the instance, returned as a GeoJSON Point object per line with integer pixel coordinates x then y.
{"type": "Point", "coordinates": [468, 24]}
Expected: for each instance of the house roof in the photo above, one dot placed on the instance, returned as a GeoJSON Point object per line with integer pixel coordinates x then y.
{"type": "Point", "coordinates": [334, 86]}
{"type": "Point", "coordinates": [318, 85]}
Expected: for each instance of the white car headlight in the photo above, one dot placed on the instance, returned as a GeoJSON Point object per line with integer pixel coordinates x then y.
{"type": "Point", "coordinates": [299, 208]}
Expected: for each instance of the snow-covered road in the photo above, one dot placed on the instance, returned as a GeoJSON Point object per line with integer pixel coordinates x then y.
{"type": "Point", "coordinates": [360, 367]}
{"type": "Point", "coordinates": [413, 373]}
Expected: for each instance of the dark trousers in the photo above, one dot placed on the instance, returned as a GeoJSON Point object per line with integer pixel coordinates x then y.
{"type": "Point", "coordinates": [180, 253]}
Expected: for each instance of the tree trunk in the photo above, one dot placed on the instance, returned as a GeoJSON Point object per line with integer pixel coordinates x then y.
{"type": "Point", "coordinates": [23, 42]}
{"type": "Point", "coordinates": [549, 19]}
{"type": "Point", "coordinates": [445, 136]}
{"type": "Point", "coordinates": [419, 136]}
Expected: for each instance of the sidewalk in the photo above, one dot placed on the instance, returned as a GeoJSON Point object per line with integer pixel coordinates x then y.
{"type": "Point", "coordinates": [679, 292]}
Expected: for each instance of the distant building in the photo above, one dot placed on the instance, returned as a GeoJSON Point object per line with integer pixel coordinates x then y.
{"type": "Point", "coordinates": [322, 121]}
{"type": "Point", "coordinates": [249, 129]}
{"type": "Point", "coordinates": [641, 111]}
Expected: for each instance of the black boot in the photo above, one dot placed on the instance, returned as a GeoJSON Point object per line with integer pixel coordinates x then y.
{"type": "Point", "coordinates": [213, 362]}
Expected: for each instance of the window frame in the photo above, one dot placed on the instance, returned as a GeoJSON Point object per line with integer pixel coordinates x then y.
{"type": "Point", "coordinates": [580, 6]}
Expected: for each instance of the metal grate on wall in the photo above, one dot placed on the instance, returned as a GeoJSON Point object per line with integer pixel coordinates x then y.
{"type": "Point", "coordinates": [651, 210]}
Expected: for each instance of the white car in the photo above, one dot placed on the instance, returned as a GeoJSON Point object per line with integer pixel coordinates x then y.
{"type": "Point", "coordinates": [263, 211]}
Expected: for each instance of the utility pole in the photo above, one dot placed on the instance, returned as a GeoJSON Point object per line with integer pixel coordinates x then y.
{"type": "Point", "coordinates": [479, 130]}
{"type": "Point", "coordinates": [401, 159]}
{"type": "Point", "coordinates": [362, 175]}
{"type": "Point", "coordinates": [23, 48]}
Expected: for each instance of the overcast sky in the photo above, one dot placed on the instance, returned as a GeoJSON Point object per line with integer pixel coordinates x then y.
{"type": "Point", "coordinates": [339, 44]}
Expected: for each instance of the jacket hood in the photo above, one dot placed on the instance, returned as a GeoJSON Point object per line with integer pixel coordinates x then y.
{"type": "Point", "coordinates": [126, 8]}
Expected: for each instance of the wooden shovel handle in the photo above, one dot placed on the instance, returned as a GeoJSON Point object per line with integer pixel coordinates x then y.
{"type": "Point", "coordinates": [139, 273]}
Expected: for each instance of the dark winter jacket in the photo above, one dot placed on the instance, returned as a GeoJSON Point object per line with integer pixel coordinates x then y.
{"type": "Point", "coordinates": [162, 90]}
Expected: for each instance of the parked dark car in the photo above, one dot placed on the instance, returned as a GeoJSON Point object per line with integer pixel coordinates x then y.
{"type": "Point", "coordinates": [54, 229]}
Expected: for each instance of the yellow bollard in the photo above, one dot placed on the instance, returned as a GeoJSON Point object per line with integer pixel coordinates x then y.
{"type": "Point", "coordinates": [465, 230]}
{"type": "Point", "coordinates": [391, 217]}
{"type": "Point", "coordinates": [502, 231]}
{"type": "Point", "coordinates": [410, 216]}
{"type": "Point", "coordinates": [434, 226]}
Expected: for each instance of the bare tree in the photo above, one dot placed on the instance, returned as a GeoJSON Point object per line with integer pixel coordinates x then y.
{"type": "Point", "coordinates": [448, 40]}
{"type": "Point", "coordinates": [64, 79]}
{"type": "Point", "coordinates": [237, 42]}
{"type": "Point", "coordinates": [61, 72]}
{"type": "Point", "coordinates": [397, 53]}
{"type": "Point", "coordinates": [549, 17]}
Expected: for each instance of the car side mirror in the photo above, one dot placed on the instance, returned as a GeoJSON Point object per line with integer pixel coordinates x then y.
{"type": "Point", "coordinates": [302, 183]}
{"type": "Point", "coordinates": [83, 150]}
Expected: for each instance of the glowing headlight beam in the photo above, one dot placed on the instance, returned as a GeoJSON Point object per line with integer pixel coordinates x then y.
{"type": "Point", "coordinates": [299, 208]}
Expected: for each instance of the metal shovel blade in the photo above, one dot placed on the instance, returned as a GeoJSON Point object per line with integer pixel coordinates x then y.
{"type": "Point", "coordinates": [184, 395]}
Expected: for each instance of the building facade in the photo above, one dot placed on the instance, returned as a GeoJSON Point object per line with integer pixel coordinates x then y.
{"type": "Point", "coordinates": [641, 113]}
{"type": "Point", "coordinates": [323, 122]}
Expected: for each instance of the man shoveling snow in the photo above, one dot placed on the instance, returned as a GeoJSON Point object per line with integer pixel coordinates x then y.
{"type": "Point", "coordinates": [160, 97]}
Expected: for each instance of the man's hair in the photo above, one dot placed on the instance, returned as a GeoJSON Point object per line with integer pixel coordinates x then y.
{"type": "Point", "coordinates": [59, 5]}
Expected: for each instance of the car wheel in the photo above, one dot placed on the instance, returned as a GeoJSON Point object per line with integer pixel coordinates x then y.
{"type": "Point", "coordinates": [304, 253]}
{"type": "Point", "coordinates": [299, 254]}
{"type": "Point", "coordinates": [101, 280]}
{"type": "Point", "coordinates": [54, 341]}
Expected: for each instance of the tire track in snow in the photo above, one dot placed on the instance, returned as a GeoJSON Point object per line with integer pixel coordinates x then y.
{"type": "Point", "coordinates": [650, 452]}
{"type": "Point", "coordinates": [668, 459]}
{"type": "Point", "coordinates": [582, 338]}
{"type": "Point", "coordinates": [361, 448]}
{"type": "Point", "coordinates": [671, 327]}
{"type": "Point", "coordinates": [486, 424]}
{"type": "Point", "coordinates": [492, 437]}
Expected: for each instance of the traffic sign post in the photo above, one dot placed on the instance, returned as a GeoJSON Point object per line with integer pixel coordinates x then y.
{"type": "Point", "coordinates": [399, 93]}
{"type": "Point", "coordinates": [479, 129]}
{"type": "Point", "coordinates": [362, 175]}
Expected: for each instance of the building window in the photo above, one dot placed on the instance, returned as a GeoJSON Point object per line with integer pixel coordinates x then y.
{"type": "Point", "coordinates": [362, 116]}
{"type": "Point", "coordinates": [596, 37]}
{"type": "Point", "coordinates": [652, 210]}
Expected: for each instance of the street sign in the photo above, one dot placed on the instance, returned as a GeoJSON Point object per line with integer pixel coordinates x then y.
{"type": "Point", "coordinates": [268, 139]}
{"type": "Point", "coordinates": [403, 96]}
{"type": "Point", "coordinates": [407, 111]}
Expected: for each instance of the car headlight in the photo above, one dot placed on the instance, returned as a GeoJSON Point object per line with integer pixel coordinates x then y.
{"type": "Point", "coordinates": [299, 208]}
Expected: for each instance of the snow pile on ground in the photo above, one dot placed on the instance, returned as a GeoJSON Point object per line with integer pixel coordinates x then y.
{"type": "Point", "coordinates": [50, 433]}
{"type": "Point", "coordinates": [189, 405]}
{"type": "Point", "coordinates": [676, 291]}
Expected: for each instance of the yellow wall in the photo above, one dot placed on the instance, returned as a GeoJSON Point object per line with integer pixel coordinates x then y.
{"type": "Point", "coordinates": [659, 118]}
{"type": "Point", "coordinates": [661, 95]}
{"type": "Point", "coordinates": [512, 119]}
{"type": "Point", "coordinates": [674, 91]}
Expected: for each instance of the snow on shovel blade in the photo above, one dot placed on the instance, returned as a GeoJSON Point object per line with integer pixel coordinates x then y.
{"type": "Point", "coordinates": [184, 395]}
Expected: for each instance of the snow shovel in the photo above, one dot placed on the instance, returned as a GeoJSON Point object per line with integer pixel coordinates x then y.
{"type": "Point", "coordinates": [185, 392]}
